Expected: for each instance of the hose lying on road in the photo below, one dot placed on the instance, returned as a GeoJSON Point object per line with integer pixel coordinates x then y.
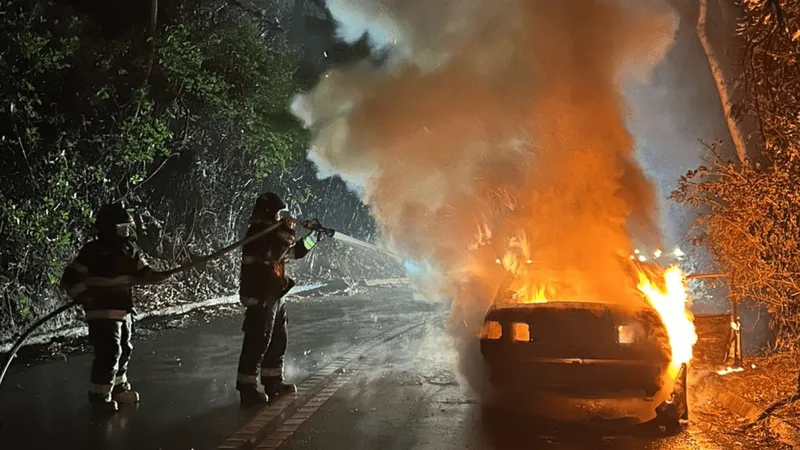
{"type": "Point", "coordinates": [27, 333]}
{"type": "Point", "coordinates": [130, 281]}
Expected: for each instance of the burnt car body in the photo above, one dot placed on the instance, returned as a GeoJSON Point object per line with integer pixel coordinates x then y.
{"type": "Point", "coordinates": [583, 361]}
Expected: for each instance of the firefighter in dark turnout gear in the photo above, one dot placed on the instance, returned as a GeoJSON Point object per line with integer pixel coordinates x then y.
{"type": "Point", "coordinates": [262, 287]}
{"type": "Point", "coordinates": [108, 310]}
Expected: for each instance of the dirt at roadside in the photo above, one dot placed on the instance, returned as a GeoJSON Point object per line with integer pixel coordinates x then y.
{"type": "Point", "coordinates": [768, 379]}
{"type": "Point", "coordinates": [725, 429]}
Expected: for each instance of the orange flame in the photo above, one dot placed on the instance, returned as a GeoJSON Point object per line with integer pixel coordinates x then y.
{"type": "Point", "coordinates": [672, 304]}
{"type": "Point", "coordinates": [529, 294]}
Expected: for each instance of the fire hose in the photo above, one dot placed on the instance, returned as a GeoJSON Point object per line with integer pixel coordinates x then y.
{"type": "Point", "coordinates": [130, 280]}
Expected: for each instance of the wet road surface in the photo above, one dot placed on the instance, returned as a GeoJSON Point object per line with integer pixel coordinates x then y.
{"type": "Point", "coordinates": [185, 375]}
{"type": "Point", "coordinates": [384, 404]}
{"type": "Point", "coordinates": [373, 371]}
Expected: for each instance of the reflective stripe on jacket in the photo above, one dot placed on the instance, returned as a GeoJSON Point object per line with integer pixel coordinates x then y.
{"type": "Point", "coordinates": [104, 258]}
{"type": "Point", "coordinates": [263, 271]}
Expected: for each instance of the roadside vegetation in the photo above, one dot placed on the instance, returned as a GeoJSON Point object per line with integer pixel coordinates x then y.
{"type": "Point", "coordinates": [750, 209]}
{"type": "Point", "coordinates": [182, 113]}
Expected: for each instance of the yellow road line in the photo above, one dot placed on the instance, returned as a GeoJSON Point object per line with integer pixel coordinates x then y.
{"type": "Point", "coordinates": [252, 433]}
{"type": "Point", "coordinates": [277, 437]}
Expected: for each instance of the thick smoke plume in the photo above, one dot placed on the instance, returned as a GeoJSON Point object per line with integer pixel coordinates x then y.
{"type": "Point", "coordinates": [495, 126]}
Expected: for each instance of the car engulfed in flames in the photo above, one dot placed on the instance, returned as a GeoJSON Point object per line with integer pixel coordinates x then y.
{"type": "Point", "coordinates": [590, 360]}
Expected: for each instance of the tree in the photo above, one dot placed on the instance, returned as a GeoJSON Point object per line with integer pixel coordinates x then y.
{"type": "Point", "coordinates": [750, 219]}
{"type": "Point", "coordinates": [721, 82]}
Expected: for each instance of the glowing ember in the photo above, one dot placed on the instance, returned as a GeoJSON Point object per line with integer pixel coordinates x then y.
{"type": "Point", "coordinates": [730, 370]}
{"type": "Point", "coordinates": [671, 304]}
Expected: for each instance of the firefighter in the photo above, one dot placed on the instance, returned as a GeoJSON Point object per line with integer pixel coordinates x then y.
{"type": "Point", "coordinates": [262, 287]}
{"type": "Point", "coordinates": [109, 309]}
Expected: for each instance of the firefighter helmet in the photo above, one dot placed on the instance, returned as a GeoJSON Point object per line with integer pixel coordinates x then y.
{"type": "Point", "coordinates": [267, 206]}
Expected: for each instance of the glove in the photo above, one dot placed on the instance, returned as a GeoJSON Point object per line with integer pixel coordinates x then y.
{"type": "Point", "coordinates": [316, 225]}
{"type": "Point", "coordinates": [311, 240]}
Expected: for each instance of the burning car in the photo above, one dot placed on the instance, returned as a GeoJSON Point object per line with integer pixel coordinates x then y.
{"type": "Point", "coordinates": [569, 360]}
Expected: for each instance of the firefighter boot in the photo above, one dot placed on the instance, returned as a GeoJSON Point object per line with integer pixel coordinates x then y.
{"type": "Point", "coordinates": [250, 397]}
{"type": "Point", "coordinates": [123, 393]}
{"type": "Point", "coordinates": [276, 389]}
{"type": "Point", "coordinates": [103, 402]}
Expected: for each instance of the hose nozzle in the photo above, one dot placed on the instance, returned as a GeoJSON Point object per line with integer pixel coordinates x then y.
{"type": "Point", "coordinates": [315, 225]}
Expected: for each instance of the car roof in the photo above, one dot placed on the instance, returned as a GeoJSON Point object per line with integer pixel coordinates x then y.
{"type": "Point", "coordinates": [586, 305]}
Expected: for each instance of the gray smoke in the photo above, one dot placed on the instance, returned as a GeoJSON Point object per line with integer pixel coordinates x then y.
{"type": "Point", "coordinates": [490, 125]}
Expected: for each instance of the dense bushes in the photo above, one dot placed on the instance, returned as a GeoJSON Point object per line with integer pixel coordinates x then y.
{"type": "Point", "coordinates": [751, 220]}
{"type": "Point", "coordinates": [85, 118]}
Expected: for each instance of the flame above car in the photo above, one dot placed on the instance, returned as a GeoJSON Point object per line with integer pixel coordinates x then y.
{"type": "Point", "coordinates": [663, 289]}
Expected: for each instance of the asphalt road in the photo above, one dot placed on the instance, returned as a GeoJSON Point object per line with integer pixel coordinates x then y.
{"type": "Point", "coordinates": [374, 373]}
{"type": "Point", "coordinates": [383, 405]}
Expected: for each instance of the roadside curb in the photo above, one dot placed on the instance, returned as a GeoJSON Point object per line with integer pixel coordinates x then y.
{"type": "Point", "coordinates": [383, 281]}
{"type": "Point", "coordinates": [787, 433]}
{"type": "Point", "coordinates": [176, 310]}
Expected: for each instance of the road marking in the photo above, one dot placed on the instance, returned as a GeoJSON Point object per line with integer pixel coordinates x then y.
{"type": "Point", "coordinates": [288, 427]}
{"type": "Point", "coordinates": [314, 388]}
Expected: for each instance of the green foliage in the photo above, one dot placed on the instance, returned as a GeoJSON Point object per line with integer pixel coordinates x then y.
{"type": "Point", "coordinates": [24, 306]}
{"type": "Point", "coordinates": [142, 137]}
{"type": "Point", "coordinates": [181, 57]}
{"type": "Point", "coordinates": [245, 88]}
{"type": "Point", "coordinates": [41, 188]}
{"type": "Point", "coordinates": [79, 127]}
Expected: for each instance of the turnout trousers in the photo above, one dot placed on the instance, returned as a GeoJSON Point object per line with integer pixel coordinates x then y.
{"type": "Point", "coordinates": [264, 346]}
{"type": "Point", "coordinates": [111, 339]}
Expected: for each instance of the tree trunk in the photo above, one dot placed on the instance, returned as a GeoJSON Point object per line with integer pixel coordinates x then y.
{"type": "Point", "coordinates": [720, 82]}
{"type": "Point", "coordinates": [151, 41]}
